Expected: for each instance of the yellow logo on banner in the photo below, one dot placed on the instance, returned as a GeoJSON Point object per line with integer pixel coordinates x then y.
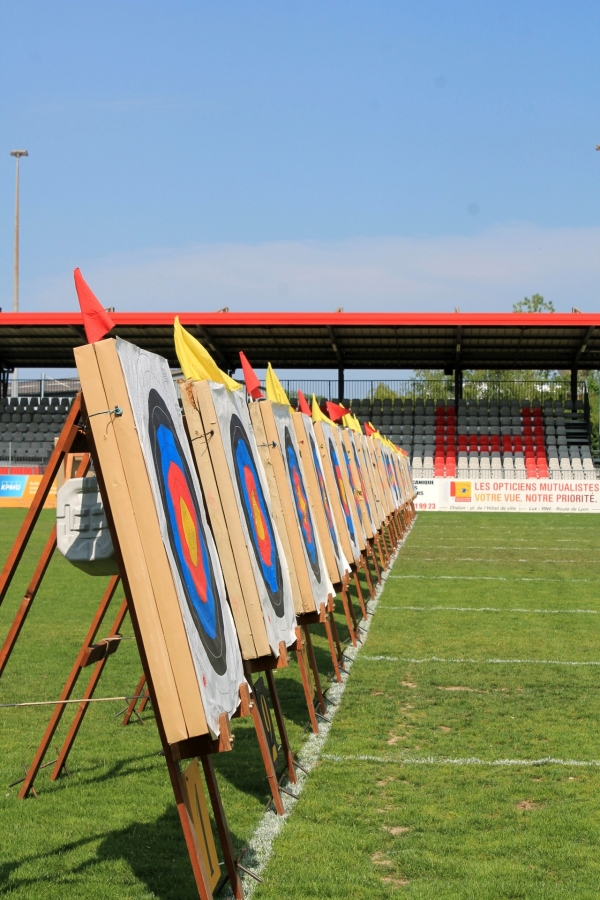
{"type": "Point", "coordinates": [462, 491]}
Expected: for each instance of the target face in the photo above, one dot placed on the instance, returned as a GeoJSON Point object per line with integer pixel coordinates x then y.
{"type": "Point", "coordinates": [362, 482]}
{"type": "Point", "coordinates": [353, 484]}
{"type": "Point", "coordinates": [337, 472]}
{"type": "Point", "coordinates": [186, 532]}
{"type": "Point", "coordinates": [301, 505]}
{"type": "Point", "coordinates": [256, 514]}
{"type": "Point", "coordinates": [324, 495]}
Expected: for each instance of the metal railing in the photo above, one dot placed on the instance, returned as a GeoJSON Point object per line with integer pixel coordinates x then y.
{"type": "Point", "coordinates": [43, 387]}
{"type": "Point", "coordinates": [436, 389]}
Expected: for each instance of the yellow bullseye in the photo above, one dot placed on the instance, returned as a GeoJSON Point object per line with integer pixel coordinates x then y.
{"type": "Point", "coordinates": [258, 522]}
{"type": "Point", "coordinates": [189, 531]}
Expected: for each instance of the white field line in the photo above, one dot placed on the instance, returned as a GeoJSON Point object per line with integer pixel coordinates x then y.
{"type": "Point", "coordinates": [488, 559]}
{"type": "Point", "coordinates": [498, 578]}
{"type": "Point", "coordinates": [259, 847]}
{"type": "Point", "coordinates": [513, 547]}
{"type": "Point", "coordinates": [481, 662]}
{"type": "Point", "coordinates": [511, 609]}
{"type": "Point", "coordinates": [465, 761]}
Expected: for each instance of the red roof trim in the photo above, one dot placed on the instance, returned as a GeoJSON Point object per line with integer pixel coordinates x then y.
{"type": "Point", "coordinates": [299, 319]}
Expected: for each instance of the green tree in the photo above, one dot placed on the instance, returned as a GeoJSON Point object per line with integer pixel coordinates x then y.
{"type": "Point", "coordinates": [533, 304]}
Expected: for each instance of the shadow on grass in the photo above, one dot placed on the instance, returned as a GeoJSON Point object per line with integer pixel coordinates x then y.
{"type": "Point", "coordinates": [154, 852]}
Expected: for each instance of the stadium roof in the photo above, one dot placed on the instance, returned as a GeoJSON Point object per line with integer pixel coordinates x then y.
{"type": "Point", "coordinates": [327, 340]}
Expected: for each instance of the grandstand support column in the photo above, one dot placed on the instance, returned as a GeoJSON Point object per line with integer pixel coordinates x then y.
{"type": "Point", "coordinates": [574, 374]}
{"type": "Point", "coordinates": [340, 384]}
{"type": "Point", "coordinates": [458, 385]}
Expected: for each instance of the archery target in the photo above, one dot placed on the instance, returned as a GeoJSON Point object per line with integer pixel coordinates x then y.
{"type": "Point", "coordinates": [339, 481]}
{"type": "Point", "coordinates": [187, 538]}
{"type": "Point", "coordinates": [186, 535]}
{"type": "Point", "coordinates": [355, 488]}
{"type": "Point", "coordinates": [321, 586]}
{"type": "Point", "coordinates": [254, 506]}
{"type": "Point", "coordinates": [342, 562]}
{"type": "Point", "coordinates": [362, 484]}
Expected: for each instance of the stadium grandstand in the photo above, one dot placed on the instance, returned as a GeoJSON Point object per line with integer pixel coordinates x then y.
{"type": "Point", "coordinates": [449, 428]}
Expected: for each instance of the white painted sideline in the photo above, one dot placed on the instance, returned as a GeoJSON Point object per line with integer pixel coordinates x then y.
{"type": "Point", "coordinates": [259, 847]}
{"type": "Point", "coordinates": [590, 612]}
{"type": "Point", "coordinates": [466, 761]}
{"type": "Point", "coordinates": [498, 578]}
{"type": "Point", "coordinates": [481, 662]}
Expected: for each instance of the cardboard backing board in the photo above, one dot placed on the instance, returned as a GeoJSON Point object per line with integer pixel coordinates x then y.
{"type": "Point", "coordinates": [276, 504]}
{"type": "Point", "coordinates": [244, 492]}
{"type": "Point", "coordinates": [321, 585]}
{"type": "Point", "coordinates": [356, 485]}
{"type": "Point", "coordinates": [195, 800]}
{"type": "Point", "coordinates": [337, 564]}
{"type": "Point", "coordinates": [380, 463]}
{"type": "Point", "coordinates": [336, 490]}
{"type": "Point", "coordinates": [190, 546]}
{"type": "Point", "coordinates": [367, 478]}
{"type": "Point", "coordinates": [378, 476]}
{"type": "Point", "coordinates": [309, 564]}
{"type": "Point", "coordinates": [136, 524]}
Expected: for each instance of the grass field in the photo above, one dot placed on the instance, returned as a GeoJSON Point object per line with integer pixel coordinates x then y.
{"type": "Point", "coordinates": [425, 789]}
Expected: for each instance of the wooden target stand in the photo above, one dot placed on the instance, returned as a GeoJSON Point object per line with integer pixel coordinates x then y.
{"type": "Point", "coordinates": [187, 785]}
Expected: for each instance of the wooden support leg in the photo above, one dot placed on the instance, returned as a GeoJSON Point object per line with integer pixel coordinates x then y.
{"type": "Point", "coordinates": [221, 823]}
{"type": "Point", "coordinates": [68, 689]}
{"type": "Point", "coordinates": [134, 700]}
{"type": "Point", "coordinates": [359, 593]}
{"type": "Point", "coordinates": [34, 584]}
{"type": "Point", "coordinates": [374, 558]}
{"type": "Point", "coordinates": [264, 749]}
{"type": "Point", "coordinates": [283, 736]}
{"type": "Point", "coordinates": [350, 617]}
{"type": "Point", "coordinates": [310, 652]}
{"type": "Point", "coordinates": [370, 585]}
{"type": "Point", "coordinates": [380, 551]}
{"type": "Point", "coordinates": [88, 693]}
{"type": "Point", "coordinates": [308, 694]}
{"type": "Point", "coordinates": [325, 619]}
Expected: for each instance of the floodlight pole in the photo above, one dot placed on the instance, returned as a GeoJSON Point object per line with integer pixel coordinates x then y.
{"type": "Point", "coordinates": [17, 155]}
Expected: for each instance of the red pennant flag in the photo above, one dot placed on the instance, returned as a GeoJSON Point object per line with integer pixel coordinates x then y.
{"type": "Point", "coordinates": [369, 430]}
{"type": "Point", "coordinates": [96, 320]}
{"type": "Point", "coordinates": [251, 378]}
{"type": "Point", "coordinates": [303, 405]}
{"type": "Point", "coordinates": [335, 411]}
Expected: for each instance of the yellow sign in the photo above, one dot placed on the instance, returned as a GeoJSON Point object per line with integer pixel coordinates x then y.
{"type": "Point", "coordinates": [461, 491]}
{"type": "Point", "coordinates": [196, 804]}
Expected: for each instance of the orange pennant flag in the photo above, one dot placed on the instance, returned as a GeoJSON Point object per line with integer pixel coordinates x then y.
{"type": "Point", "coordinates": [96, 320]}
{"type": "Point", "coordinates": [251, 378]}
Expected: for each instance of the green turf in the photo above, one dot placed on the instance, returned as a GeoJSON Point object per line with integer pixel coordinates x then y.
{"type": "Point", "coordinates": [386, 826]}
{"type": "Point", "coordinates": [364, 828]}
{"type": "Point", "coordinates": [112, 829]}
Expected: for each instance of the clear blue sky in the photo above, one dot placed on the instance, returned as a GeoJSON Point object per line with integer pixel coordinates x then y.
{"type": "Point", "coordinates": [302, 155]}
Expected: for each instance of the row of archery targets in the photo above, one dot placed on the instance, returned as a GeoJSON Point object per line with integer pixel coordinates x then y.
{"type": "Point", "coordinates": [234, 527]}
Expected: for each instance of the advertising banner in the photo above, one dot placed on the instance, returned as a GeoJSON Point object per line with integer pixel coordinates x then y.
{"type": "Point", "coordinates": [19, 491]}
{"type": "Point", "coordinates": [532, 495]}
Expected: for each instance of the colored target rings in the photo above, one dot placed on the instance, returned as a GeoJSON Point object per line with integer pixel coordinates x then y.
{"type": "Point", "coordinates": [256, 514]}
{"type": "Point", "coordinates": [353, 485]}
{"type": "Point", "coordinates": [323, 492]}
{"type": "Point", "coordinates": [341, 490]}
{"type": "Point", "coordinates": [186, 533]}
{"type": "Point", "coordinates": [301, 503]}
{"type": "Point", "coordinates": [362, 482]}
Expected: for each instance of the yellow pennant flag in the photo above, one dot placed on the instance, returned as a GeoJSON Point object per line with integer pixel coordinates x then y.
{"type": "Point", "coordinates": [352, 423]}
{"type": "Point", "coordinates": [317, 415]}
{"type": "Point", "coordinates": [196, 363]}
{"type": "Point", "coordinates": [273, 387]}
